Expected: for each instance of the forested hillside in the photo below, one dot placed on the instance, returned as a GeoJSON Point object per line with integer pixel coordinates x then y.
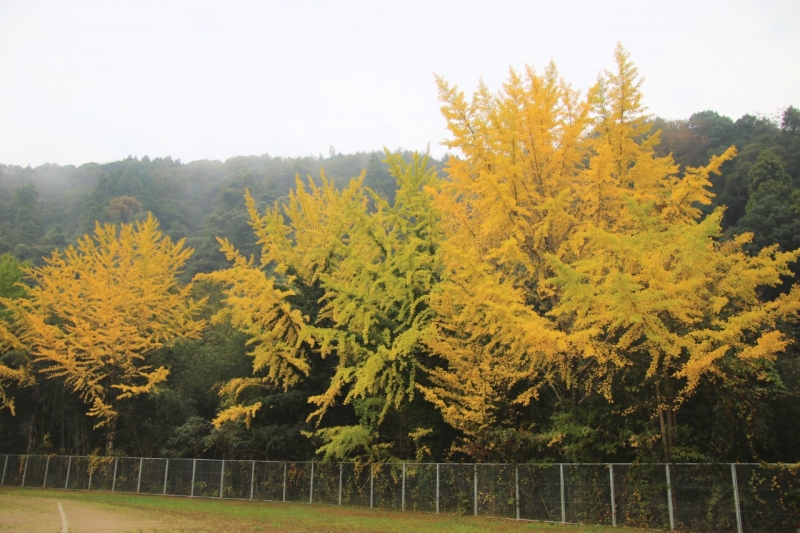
{"type": "Point", "coordinates": [578, 282]}
{"type": "Point", "coordinates": [50, 206]}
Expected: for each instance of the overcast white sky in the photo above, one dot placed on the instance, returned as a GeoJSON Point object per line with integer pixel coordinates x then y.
{"type": "Point", "coordinates": [100, 80]}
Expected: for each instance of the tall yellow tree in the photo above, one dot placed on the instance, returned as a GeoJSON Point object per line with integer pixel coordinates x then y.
{"type": "Point", "coordinates": [574, 253]}
{"type": "Point", "coordinates": [377, 315]}
{"type": "Point", "coordinates": [275, 299]}
{"type": "Point", "coordinates": [344, 275]}
{"type": "Point", "coordinates": [96, 311]}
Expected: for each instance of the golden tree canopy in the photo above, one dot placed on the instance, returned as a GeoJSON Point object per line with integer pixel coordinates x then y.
{"type": "Point", "coordinates": [343, 273]}
{"type": "Point", "coordinates": [96, 310]}
{"type": "Point", "coordinates": [573, 251]}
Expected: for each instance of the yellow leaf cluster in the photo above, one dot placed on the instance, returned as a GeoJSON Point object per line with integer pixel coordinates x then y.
{"type": "Point", "coordinates": [12, 336]}
{"type": "Point", "coordinates": [377, 297]}
{"type": "Point", "coordinates": [360, 270]}
{"type": "Point", "coordinates": [298, 242]}
{"type": "Point", "coordinates": [572, 251]}
{"type": "Point", "coordinates": [96, 310]}
{"type": "Point", "coordinates": [8, 376]}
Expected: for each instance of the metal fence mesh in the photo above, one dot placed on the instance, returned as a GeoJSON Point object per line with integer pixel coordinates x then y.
{"type": "Point", "coordinates": [13, 469]}
{"type": "Point", "coordinates": [238, 479]}
{"type": "Point", "coordinates": [457, 488]}
{"type": "Point", "coordinates": [57, 472]}
{"type": "Point", "coordinates": [297, 482]}
{"type": "Point", "coordinates": [269, 481]}
{"type": "Point", "coordinates": [540, 492]}
{"type": "Point", "coordinates": [388, 485]}
{"type": "Point", "coordinates": [35, 470]}
{"type": "Point", "coordinates": [326, 483]}
{"type": "Point", "coordinates": [686, 497]}
{"type": "Point", "coordinates": [179, 476]}
{"type": "Point", "coordinates": [153, 476]}
{"type": "Point", "coordinates": [127, 476]}
{"type": "Point", "coordinates": [587, 494]}
{"type": "Point", "coordinates": [769, 497]}
{"type": "Point", "coordinates": [420, 493]}
{"type": "Point", "coordinates": [77, 474]}
{"type": "Point", "coordinates": [703, 497]}
{"type": "Point", "coordinates": [497, 490]}
{"type": "Point", "coordinates": [641, 496]}
{"type": "Point", "coordinates": [101, 473]}
{"type": "Point", "coordinates": [207, 478]}
{"type": "Point", "coordinates": [356, 483]}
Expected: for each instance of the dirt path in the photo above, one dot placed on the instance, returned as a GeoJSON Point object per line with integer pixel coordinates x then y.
{"type": "Point", "coordinates": [40, 515]}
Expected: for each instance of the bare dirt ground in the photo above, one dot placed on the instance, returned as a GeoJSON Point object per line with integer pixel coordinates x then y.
{"type": "Point", "coordinates": [41, 515]}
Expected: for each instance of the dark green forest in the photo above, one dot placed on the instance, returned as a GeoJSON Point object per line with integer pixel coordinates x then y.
{"type": "Point", "coordinates": [736, 417]}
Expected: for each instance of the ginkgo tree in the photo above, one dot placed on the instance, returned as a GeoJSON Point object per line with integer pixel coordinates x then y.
{"type": "Point", "coordinates": [97, 310]}
{"type": "Point", "coordinates": [574, 256]}
{"type": "Point", "coordinates": [377, 314]}
{"type": "Point", "coordinates": [345, 275]}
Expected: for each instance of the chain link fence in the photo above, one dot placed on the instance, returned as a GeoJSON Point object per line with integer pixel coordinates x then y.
{"type": "Point", "coordinates": [685, 497]}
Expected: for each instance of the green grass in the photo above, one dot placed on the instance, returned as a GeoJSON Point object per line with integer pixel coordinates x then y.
{"type": "Point", "coordinates": [230, 515]}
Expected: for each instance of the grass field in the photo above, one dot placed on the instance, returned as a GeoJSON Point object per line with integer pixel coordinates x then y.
{"type": "Point", "coordinates": [41, 511]}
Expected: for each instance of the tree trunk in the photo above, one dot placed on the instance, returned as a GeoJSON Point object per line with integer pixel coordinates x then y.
{"type": "Point", "coordinates": [111, 431]}
{"type": "Point", "coordinates": [665, 429]}
{"type": "Point", "coordinates": [31, 432]}
{"type": "Point", "coordinates": [32, 427]}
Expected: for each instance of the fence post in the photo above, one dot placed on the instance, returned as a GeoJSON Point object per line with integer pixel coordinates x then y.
{"type": "Point", "coordinates": [403, 490]}
{"type": "Point", "coordinates": [669, 501]}
{"type": "Point", "coordinates": [46, 470]}
{"type": "Point", "coordinates": [221, 479]}
{"type": "Point", "coordinates": [114, 475]}
{"type": "Point", "coordinates": [311, 488]}
{"type": "Point", "coordinates": [475, 489]}
{"type": "Point", "coordinates": [437, 488]}
{"type": "Point", "coordinates": [139, 481]}
{"type": "Point", "coordinates": [516, 489]}
{"type": "Point", "coordinates": [371, 482]}
{"type": "Point", "coordinates": [91, 473]}
{"type": "Point", "coordinates": [252, 478]}
{"type": "Point", "coordinates": [66, 482]}
{"type": "Point", "coordinates": [166, 470]}
{"type": "Point", "coordinates": [5, 465]}
{"type": "Point", "coordinates": [341, 473]}
{"type": "Point", "coordinates": [563, 494]}
{"type": "Point", "coordinates": [25, 470]}
{"type": "Point", "coordinates": [736, 499]}
{"type": "Point", "coordinates": [194, 468]}
{"type": "Point", "coordinates": [284, 481]}
{"type": "Point", "coordinates": [613, 501]}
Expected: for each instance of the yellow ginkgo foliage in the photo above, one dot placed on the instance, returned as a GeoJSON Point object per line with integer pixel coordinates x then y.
{"type": "Point", "coordinates": [573, 252]}
{"type": "Point", "coordinates": [299, 243]}
{"type": "Point", "coordinates": [9, 375]}
{"type": "Point", "coordinates": [96, 311]}
{"type": "Point", "coordinates": [344, 276]}
{"type": "Point", "coordinates": [18, 373]}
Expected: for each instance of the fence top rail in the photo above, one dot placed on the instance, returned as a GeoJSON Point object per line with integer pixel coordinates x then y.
{"type": "Point", "coordinates": [399, 463]}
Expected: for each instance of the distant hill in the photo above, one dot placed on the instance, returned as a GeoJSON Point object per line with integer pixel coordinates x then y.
{"type": "Point", "coordinates": [49, 206]}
